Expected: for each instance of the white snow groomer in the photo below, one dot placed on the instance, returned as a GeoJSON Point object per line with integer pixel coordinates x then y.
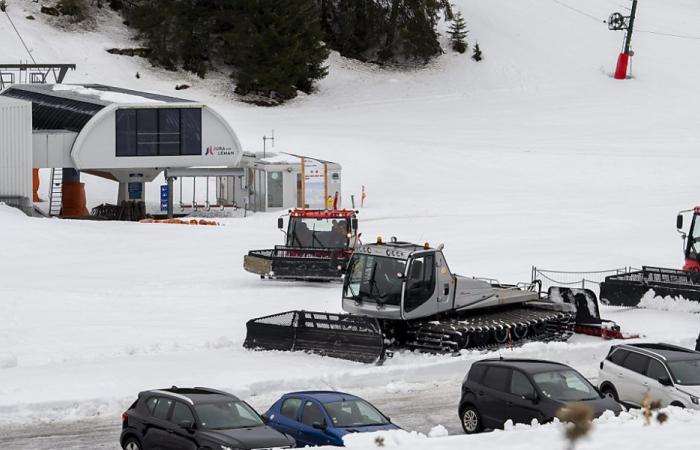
{"type": "Point", "coordinates": [401, 295]}
{"type": "Point", "coordinates": [317, 247]}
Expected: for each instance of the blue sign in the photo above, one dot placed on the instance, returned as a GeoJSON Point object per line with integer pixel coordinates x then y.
{"type": "Point", "coordinates": [164, 197]}
{"type": "Point", "coordinates": [135, 191]}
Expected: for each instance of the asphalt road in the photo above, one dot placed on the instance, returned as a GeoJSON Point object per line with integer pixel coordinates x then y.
{"type": "Point", "coordinates": [418, 408]}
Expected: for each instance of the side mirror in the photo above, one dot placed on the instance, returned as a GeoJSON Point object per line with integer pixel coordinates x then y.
{"type": "Point", "coordinates": [319, 426]}
{"type": "Point", "coordinates": [679, 221]}
{"type": "Point", "coordinates": [665, 381]}
{"type": "Point", "coordinates": [280, 223]}
{"type": "Point", "coordinates": [187, 425]}
{"type": "Point", "coordinates": [265, 418]}
{"type": "Point", "coordinates": [354, 223]}
{"type": "Point", "coordinates": [532, 396]}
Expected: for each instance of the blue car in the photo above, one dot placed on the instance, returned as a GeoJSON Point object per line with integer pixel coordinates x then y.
{"type": "Point", "coordinates": [324, 417]}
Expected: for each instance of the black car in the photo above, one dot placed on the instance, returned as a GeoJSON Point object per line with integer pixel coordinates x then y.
{"type": "Point", "coordinates": [196, 419]}
{"type": "Point", "coordinates": [496, 390]}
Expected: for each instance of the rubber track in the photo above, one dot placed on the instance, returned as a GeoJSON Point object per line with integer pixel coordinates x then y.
{"type": "Point", "coordinates": [492, 330]}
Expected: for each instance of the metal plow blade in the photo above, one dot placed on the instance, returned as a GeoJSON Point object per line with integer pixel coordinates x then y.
{"type": "Point", "coordinates": [627, 289]}
{"type": "Point", "coordinates": [588, 320]}
{"type": "Point", "coordinates": [355, 338]}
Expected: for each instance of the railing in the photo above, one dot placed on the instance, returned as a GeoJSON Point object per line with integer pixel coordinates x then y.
{"type": "Point", "coordinates": [33, 73]}
{"type": "Point", "coordinates": [585, 280]}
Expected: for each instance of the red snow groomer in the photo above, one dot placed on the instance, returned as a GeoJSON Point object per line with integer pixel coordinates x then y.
{"type": "Point", "coordinates": [628, 289]}
{"type": "Point", "coordinates": [318, 246]}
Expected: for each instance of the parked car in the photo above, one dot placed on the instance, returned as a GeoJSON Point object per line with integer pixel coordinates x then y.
{"type": "Point", "coordinates": [324, 417]}
{"type": "Point", "coordinates": [196, 419]}
{"type": "Point", "coordinates": [497, 390]}
{"type": "Point", "coordinates": [671, 374]}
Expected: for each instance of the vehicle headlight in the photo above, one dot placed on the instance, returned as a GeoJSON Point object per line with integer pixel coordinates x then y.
{"type": "Point", "coordinates": [694, 399]}
{"type": "Point", "coordinates": [224, 447]}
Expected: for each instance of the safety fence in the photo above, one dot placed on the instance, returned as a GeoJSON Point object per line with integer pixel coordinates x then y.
{"type": "Point", "coordinates": [586, 280]}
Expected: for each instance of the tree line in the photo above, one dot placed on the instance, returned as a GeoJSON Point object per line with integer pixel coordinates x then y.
{"type": "Point", "coordinates": [275, 48]}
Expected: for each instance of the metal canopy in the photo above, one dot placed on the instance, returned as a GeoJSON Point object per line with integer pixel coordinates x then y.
{"type": "Point", "coordinates": [204, 172]}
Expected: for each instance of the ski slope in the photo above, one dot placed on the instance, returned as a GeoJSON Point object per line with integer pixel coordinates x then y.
{"type": "Point", "coordinates": [533, 156]}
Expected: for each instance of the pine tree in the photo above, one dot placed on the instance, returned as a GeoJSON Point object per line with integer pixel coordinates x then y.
{"type": "Point", "coordinates": [275, 48]}
{"type": "Point", "coordinates": [477, 53]}
{"type": "Point", "coordinates": [458, 33]}
{"type": "Point", "coordinates": [383, 31]}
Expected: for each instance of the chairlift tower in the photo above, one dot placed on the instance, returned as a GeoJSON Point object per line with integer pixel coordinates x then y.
{"type": "Point", "coordinates": [618, 22]}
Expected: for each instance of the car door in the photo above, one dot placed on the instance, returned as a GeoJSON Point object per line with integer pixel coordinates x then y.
{"type": "Point", "coordinates": [660, 392]}
{"type": "Point", "coordinates": [312, 412]}
{"type": "Point", "coordinates": [286, 419]}
{"type": "Point", "coordinates": [445, 284]}
{"type": "Point", "coordinates": [492, 396]}
{"type": "Point", "coordinates": [634, 378]}
{"type": "Point", "coordinates": [520, 407]}
{"type": "Point", "coordinates": [419, 292]}
{"type": "Point", "coordinates": [156, 434]}
{"type": "Point", "coordinates": [179, 437]}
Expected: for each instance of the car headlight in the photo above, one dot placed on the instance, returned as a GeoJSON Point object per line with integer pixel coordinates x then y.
{"type": "Point", "coordinates": [694, 399]}
{"type": "Point", "coordinates": [224, 447]}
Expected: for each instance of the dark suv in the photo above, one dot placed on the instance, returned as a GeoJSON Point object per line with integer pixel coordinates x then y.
{"type": "Point", "coordinates": [196, 419]}
{"type": "Point", "coordinates": [496, 390]}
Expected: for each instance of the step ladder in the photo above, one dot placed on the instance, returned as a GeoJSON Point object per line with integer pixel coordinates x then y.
{"type": "Point", "coordinates": [56, 193]}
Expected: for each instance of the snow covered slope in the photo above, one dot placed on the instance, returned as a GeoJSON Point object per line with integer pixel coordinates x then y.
{"type": "Point", "coordinates": [533, 156]}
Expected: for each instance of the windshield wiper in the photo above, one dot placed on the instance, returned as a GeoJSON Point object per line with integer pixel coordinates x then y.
{"type": "Point", "coordinates": [314, 238]}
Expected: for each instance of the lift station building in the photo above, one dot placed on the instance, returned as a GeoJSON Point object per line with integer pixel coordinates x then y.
{"type": "Point", "coordinates": [131, 137]}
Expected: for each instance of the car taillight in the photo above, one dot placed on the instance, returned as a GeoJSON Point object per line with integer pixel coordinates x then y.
{"type": "Point", "coordinates": [125, 417]}
{"type": "Point", "coordinates": [601, 365]}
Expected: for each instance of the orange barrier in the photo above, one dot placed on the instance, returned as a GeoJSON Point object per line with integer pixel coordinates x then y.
{"type": "Point", "coordinates": [182, 222]}
{"type": "Point", "coordinates": [74, 203]}
{"type": "Point", "coordinates": [35, 182]}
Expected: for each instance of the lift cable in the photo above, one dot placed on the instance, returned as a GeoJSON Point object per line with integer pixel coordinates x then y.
{"type": "Point", "coordinates": [660, 33]}
{"type": "Point", "coordinates": [20, 37]}
{"type": "Point", "coordinates": [583, 13]}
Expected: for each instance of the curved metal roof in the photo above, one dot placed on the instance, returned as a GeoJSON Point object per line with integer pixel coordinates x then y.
{"type": "Point", "coordinates": [70, 107]}
{"type": "Point", "coordinates": [55, 113]}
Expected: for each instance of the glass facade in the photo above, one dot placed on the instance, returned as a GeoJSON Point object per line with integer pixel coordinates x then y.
{"type": "Point", "coordinates": [159, 132]}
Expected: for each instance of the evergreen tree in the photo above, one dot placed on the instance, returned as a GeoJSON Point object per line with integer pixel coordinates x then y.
{"type": "Point", "coordinates": [178, 32]}
{"type": "Point", "coordinates": [477, 53]}
{"type": "Point", "coordinates": [383, 31]}
{"type": "Point", "coordinates": [275, 47]}
{"type": "Point", "coordinates": [458, 33]}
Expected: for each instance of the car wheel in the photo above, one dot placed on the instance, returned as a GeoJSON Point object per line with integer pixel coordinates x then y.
{"type": "Point", "coordinates": [131, 443]}
{"type": "Point", "coordinates": [610, 391]}
{"type": "Point", "coordinates": [471, 420]}
{"type": "Point", "coordinates": [678, 404]}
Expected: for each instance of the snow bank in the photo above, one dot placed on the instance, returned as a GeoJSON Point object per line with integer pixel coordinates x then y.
{"type": "Point", "coordinates": [668, 303]}
{"type": "Point", "coordinates": [626, 431]}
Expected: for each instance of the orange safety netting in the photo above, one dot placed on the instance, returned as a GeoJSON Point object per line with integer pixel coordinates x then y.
{"type": "Point", "coordinates": [74, 203]}
{"type": "Point", "coordinates": [35, 185]}
{"type": "Point", "coordinates": [182, 222]}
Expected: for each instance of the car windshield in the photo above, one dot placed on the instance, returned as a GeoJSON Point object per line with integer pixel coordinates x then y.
{"type": "Point", "coordinates": [374, 279]}
{"type": "Point", "coordinates": [565, 385]}
{"type": "Point", "coordinates": [354, 413]}
{"type": "Point", "coordinates": [685, 372]}
{"type": "Point", "coordinates": [318, 233]}
{"type": "Point", "coordinates": [226, 415]}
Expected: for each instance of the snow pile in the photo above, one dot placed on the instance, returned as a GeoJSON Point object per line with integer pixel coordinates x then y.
{"type": "Point", "coordinates": [628, 430]}
{"type": "Point", "coordinates": [438, 431]}
{"type": "Point", "coordinates": [668, 303]}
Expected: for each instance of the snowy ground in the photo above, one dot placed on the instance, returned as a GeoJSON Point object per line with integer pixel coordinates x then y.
{"type": "Point", "coordinates": [534, 156]}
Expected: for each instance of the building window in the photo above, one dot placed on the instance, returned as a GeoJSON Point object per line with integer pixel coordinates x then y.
{"type": "Point", "coordinates": [159, 132]}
